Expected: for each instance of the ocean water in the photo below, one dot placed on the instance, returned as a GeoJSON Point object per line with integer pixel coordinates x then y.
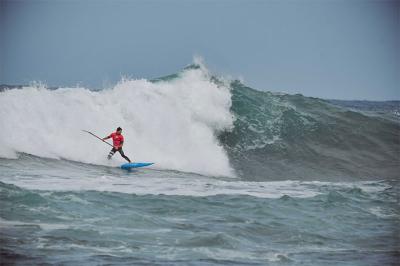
{"type": "Point", "coordinates": [241, 177]}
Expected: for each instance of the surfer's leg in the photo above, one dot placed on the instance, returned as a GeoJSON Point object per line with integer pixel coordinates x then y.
{"type": "Point", "coordinates": [123, 155]}
{"type": "Point", "coordinates": [111, 153]}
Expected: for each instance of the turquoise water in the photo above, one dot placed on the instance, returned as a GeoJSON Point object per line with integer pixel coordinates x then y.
{"type": "Point", "coordinates": [62, 212]}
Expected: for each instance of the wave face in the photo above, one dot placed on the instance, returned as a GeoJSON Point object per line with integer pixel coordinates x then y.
{"type": "Point", "coordinates": [291, 136]}
{"type": "Point", "coordinates": [194, 122]}
{"type": "Point", "coordinates": [171, 122]}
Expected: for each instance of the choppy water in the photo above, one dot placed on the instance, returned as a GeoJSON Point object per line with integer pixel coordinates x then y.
{"type": "Point", "coordinates": [70, 213]}
{"type": "Point", "coordinates": [242, 177]}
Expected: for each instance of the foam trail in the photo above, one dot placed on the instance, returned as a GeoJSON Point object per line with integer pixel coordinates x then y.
{"type": "Point", "coordinates": [172, 123]}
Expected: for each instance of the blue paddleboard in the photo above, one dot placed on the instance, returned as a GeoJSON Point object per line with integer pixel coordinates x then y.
{"type": "Point", "coordinates": [134, 165]}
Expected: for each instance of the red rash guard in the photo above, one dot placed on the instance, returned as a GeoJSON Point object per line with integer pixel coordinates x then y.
{"type": "Point", "coordinates": [117, 139]}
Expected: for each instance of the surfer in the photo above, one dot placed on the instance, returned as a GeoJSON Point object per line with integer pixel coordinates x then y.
{"type": "Point", "coordinates": [118, 141]}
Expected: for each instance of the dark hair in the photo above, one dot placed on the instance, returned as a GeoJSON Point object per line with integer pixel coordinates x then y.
{"type": "Point", "coordinates": [118, 129]}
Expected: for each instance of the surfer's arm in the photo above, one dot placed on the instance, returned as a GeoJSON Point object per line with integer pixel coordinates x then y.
{"type": "Point", "coordinates": [109, 136]}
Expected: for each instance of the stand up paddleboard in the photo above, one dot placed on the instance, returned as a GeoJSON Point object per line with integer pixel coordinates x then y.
{"type": "Point", "coordinates": [134, 165]}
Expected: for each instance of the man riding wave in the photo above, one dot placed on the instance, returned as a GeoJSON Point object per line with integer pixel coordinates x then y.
{"type": "Point", "coordinates": [118, 141]}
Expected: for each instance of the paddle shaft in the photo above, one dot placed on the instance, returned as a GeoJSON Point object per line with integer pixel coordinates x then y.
{"type": "Point", "coordinates": [98, 137]}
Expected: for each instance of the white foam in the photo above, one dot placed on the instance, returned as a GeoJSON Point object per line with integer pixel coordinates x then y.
{"type": "Point", "coordinates": [154, 182]}
{"type": "Point", "coordinates": [382, 213]}
{"type": "Point", "coordinates": [191, 185]}
{"type": "Point", "coordinates": [171, 123]}
{"type": "Point", "coordinates": [44, 226]}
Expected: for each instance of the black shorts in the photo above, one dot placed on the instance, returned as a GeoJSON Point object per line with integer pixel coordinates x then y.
{"type": "Point", "coordinates": [114, 150]}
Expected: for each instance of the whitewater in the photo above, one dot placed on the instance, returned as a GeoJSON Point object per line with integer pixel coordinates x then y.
{"type": "Point", "coordinates": [241, 176]}
{"type": "Point", "coordinates": [172, 123]}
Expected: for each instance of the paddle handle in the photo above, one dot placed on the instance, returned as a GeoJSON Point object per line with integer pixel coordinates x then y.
{"type": "Point", "coordinates": [97, 137]}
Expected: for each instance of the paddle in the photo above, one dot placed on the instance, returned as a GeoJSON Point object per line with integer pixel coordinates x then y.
{"type": "Point", "coordinates": [98, 137]}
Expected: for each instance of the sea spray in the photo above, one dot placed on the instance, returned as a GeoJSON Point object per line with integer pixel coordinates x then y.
{"type": "Point", "coordinates": [173, 123]}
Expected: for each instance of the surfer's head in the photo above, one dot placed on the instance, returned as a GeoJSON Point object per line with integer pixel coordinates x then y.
{"type": "Point", "coordinates": [119, 130]}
